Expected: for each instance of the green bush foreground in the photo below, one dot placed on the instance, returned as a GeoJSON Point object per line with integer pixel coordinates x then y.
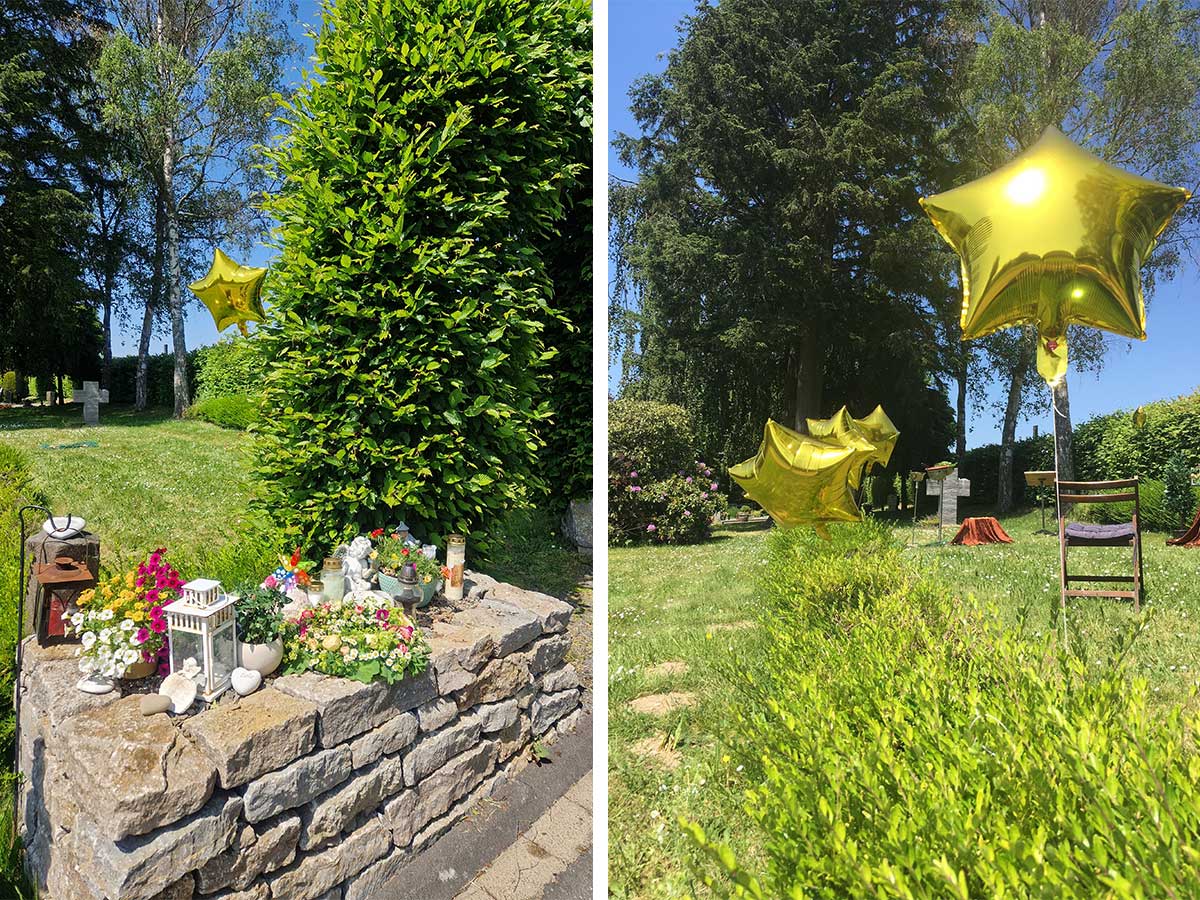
{"type": "Point", "coordinates": [899, 744]}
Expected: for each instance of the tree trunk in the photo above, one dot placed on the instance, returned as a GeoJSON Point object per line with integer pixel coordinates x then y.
{"type": "Point", "coordinates": [174, 276]}
{"type": "Point", "coordinates": [152, 302]}
{"type": "Point", "coordinates": [106, 364]}
{"type": "Point", "coordinates": [806, 379]}
{"type": "Point", "coordinates": [1008, 435]}
{"type": "Point", "coordinates": [1062, 431]}
{"type": "Point", "coordinates": [960, 442]}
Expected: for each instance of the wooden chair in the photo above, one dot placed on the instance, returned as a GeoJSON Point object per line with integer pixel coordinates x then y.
{"type": "Point", "coordinates": [1078, 534]}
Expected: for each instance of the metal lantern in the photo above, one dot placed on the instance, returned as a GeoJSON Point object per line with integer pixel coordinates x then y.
{"type": "Point", "coordinates": [201, 624]}
{"type": "Point", "coordinates": [410, 593]}
{"type": "Point", "coordinates": [59, 584]}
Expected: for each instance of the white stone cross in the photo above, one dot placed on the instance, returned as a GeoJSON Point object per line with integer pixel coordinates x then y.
{"type": "Point", "coordinates": [949, 489]}
{"type": "Point", "coordinates": [91, 403]}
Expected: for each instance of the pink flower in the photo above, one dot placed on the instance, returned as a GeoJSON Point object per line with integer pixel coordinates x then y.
{"type": "Point", "coordinates": [633, 474]}
{"type": "Point", "coordinates": [652, 527]}
{"type": "Point", "coordinates": [303, 630]}
{"type": "Point", "coordinates": [688, 480]}
{"type": "Point", "coordinates": [713, 486]}
{"type": "Point", "coordinates": [158, 626]}
{"type": "Point", "coordinates": [704, 495]}
{"type": "Point", "coordinates": [381, 615]}
{"type": "Point", "coordinates": [269, 582]}
{"type": "Point", "coordinates": [143, 635]}
{"type": "Point", "coordinates": [163, 669]}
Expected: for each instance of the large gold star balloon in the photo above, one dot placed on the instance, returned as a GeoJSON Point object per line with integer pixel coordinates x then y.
{"type": "Point", "coordinates": [1056, 237]}
{"type": "Point", "coordinates": [800, 479]}
{"type": "Point", "coordinates": [232, 292]}
{"type": "Point", "coordinates": [874, 434]}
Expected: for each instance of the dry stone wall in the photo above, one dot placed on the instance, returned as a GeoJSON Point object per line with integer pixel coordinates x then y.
{"type": "Point", "coordinates": [311, 788]}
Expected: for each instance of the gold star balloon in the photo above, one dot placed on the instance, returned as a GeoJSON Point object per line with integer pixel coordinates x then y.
{"type": "Point", "coordinates": [874, 434]}
{"type": "Point", "coordinates": [800, 479]}
{"type": "Point", "coordinates": [1057, 237]}
{"type": "Point", "coordinates": [232, 292]}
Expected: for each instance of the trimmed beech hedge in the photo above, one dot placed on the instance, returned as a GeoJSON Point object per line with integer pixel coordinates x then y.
{"type": "Point", "coordinates": [160, 379]}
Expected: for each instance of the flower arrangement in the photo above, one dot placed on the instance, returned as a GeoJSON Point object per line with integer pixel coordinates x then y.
{"type": "Point", "coordinates": [121, 621]}
{"type": "Point", "coordinates": [363, 637]}
{"type": "Point", "coordinates": [391, 555]}
{"type": "Point", "coordinates": [259, 614]}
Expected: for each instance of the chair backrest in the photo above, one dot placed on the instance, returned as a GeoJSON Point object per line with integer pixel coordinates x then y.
{"type": "Point", "coordinates": [1072, 491]}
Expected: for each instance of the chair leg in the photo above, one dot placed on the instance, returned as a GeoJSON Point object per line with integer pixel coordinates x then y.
{"type": "Point", "coordinates": [1062, 569]}
{"type": "Point", "coordinates": [1137, 573]}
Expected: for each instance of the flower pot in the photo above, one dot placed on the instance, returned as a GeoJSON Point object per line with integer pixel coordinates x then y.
{"type": "Point", "coordinates": [262, 658]}
{"type": "Point", "coordinates": [427, 593]}
{"type": "Point", "coordinates": [389, 584]}
{"type": "Point", "coordinates": [140, 669]}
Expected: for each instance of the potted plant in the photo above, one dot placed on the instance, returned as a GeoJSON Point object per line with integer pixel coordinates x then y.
{"type": "Point", "coordinates": [391, 554]}
{"type": "Point", "coordinates": [121, 624]}
{"type": "Point", "coordinates": [259, 625]}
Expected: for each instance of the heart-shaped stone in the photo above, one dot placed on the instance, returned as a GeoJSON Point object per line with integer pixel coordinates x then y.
{"type": "Point", "coordinates": [245, 681]}
{"type": "Point", "coordinates": [181, 690]}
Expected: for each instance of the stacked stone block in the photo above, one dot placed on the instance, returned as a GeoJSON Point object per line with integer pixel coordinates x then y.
{"type": "Point", "coordinates": [312, 788]}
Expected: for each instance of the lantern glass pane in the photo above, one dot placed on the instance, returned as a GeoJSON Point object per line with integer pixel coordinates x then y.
{"type": "Point", "coordinates": [186, 644]}
{"type": "Point", "coordinates": [224, 655]}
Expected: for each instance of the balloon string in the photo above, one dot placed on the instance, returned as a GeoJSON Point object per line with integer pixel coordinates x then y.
{"type": "Point", "coordinates": [1058, 511]}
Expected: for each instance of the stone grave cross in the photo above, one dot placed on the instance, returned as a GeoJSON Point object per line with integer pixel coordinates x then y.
{"type": "Point", "coordinates": [949, 489]}
{"type": "Point", "coordinates": [91, 403]}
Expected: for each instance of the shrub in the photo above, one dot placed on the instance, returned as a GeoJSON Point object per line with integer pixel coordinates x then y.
{"type": "Point", "coordinates": [919, 751]}
{"type": "Point", "coordinates": [13, 389]}
{"type": "Point", "coordinates": [677, 509]}
{"type": "Point", "coordinates": [1179, 500]}
{"type": "Point", "coordinates": [656, 439]}
{"type": "Point", "coordinates": [160, 379]}
{"type": "Point", "coordinates": [1156, 515]}
{"type": "Point", "coordinates": [237, 411]}
{"type": "Point", "coordinates": [232, 367]}
{"type": "Point", "coordinates": [426, 159]}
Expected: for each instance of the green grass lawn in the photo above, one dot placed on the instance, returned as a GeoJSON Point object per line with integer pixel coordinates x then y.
{"type": "Point", "coordinates": [665, 602]}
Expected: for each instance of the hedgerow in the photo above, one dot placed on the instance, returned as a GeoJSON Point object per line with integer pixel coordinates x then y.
{"type": "Point", "coordinates": [236, 411]}
{"type": "Point", "coordinates": [232, 367]}
{"type": "Point", "coordinates": [899, 745]}
{"type": "Point", "coordinates": [424, 164]}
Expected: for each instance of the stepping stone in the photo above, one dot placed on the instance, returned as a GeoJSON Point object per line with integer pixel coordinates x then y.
{"type": "Point", "coordinates": [667, 669]}
{"type": "Point", "coordinates": [661, 704]}
{"type": "Point", "coordinates": [655, 748]}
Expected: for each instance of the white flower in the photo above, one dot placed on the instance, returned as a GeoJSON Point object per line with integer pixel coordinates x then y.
{"type": "Point", "coordinates": [127, 625]}
{"type": "Point", "coordinates": [105, 615]}
{"type": "Point", "coordinates": [105, 635]}
{"type": "Point", "coordinates": [77, 619]}
{"type": "Point", "coordinates": [130, 657]}
{"type": "Point", "coordinates": [89, 639]}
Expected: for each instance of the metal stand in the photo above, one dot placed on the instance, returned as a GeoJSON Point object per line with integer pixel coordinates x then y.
{"type": "Point", "coordinates": [1042, 504]}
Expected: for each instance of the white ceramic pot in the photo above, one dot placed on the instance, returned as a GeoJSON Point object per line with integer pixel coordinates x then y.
{"type": "Point", "coordinates": [262, 658]}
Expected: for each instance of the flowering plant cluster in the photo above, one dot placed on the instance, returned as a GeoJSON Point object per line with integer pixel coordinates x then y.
{"type": "Point", "coordinates": [391, 554]}
{"type": "Point", "coordinates": [363, 636]}
{"type": "Point", "coordinates": [121, 622]}
{"type": "Point", "coordinates": [676, 509]}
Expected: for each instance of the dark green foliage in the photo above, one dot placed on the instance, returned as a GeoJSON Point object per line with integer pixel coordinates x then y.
{"type": "Point", "coordinates": [229, 412]}
{"type": "Point", "coordinates": [232, 367]}
{"type": "Point", "coordinates": [259, 613]}
{"type": "Point", "coordinates": [425, 163]}
{"type": "Point", "coordinates": [655, 439]}
{"type": "Point", "coordinates": [160, 372]}
{"type": "Point", "coordinates": [1179, 500]}
{"type": "Point", "coordinates": [900, 745]}
{"type": "Point", "coordinates": [1157, 513]}
{"type": "Point", "coordinates": [982, 465]}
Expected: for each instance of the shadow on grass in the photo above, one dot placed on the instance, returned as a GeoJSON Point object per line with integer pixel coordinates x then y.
{"type": "Point", "coordinates": [20, 418]}
{"type": "Point", "coordinates": [531, 554]}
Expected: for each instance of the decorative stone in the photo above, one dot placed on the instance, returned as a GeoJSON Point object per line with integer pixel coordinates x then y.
{"type": "Point", "coordinates": [245, 681]}
{"type": "Point", "coordinates": [577, 523]}
{"type": "Point", "coordinates": [137, 868]}
{"type": "Point", "coordinates": [552, 614]}
{"type": "Point", "coordinates": [137, 772]}
{"type": "Point", "coordinates": [297, 784]}
{"type": "Point", "coordinates": [433, 749]}
{"type": "Point", "coordinates": [499, 680]}
{"type": "Point", "coordinates": [253, 853]}
{"type": "Point", "coordinates": [181, 690]}
{"type": "Point", "coordinates": [254, 735]}
{"type": "Point", "coordinates": [328, 815]}
{"type": "Point", "coordinates": [546, 653]}
{"type": "Point", "coordinates": [390, 737]}
{"type": "Point", "coordinates": [345, 708]}
{"type": "Point", "coordinates": [150, 704]}
{"type": "Point", "coordinates": [436, 713]}
{"type": "Point", "coordinates": [476, 584]}
{"type": "Point", "coordinates": [561, 679]}
{"type": "Point", "coordinates": [549, 708]}
{"type": "Point", "coordinates": [309, 877]}
{"type": "Point", "coordinates": [96, 684]}
{"type": "Point", "coordinates": [496, 716]}
{"type": "Point", "coordinates": [49, 683]}
{"type": "Point", "coordinates": [510, 628]}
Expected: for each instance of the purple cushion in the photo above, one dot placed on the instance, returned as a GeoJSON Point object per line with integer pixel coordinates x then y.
{"type": "Point", "coordinates": [1080, 531]}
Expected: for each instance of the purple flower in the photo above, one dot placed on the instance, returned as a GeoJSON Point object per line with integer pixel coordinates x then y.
{"type": "Point", "coordinates": [687, 512]}
{"type": "Point", "coordinates": [704, 495]}
{"type": "Point", "coordinates": [708, 472]}
{"type": "Point", "coordinates": [713, 486]}
{"type": "Point", "coordinates": [652, 527]}
{"type": "Point", "coordinates": [633, 474]}
{"type": "Point", "coordinates": [688, 480]}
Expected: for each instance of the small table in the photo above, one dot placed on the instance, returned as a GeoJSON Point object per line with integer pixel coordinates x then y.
{"type": "Point", "coordinates": [1041, 480]}
{"type": "Point", "coordinates": [981, 530]}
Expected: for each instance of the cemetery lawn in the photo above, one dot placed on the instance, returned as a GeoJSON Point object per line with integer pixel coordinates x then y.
{"type": "Point", "coordinates": [664, 602]}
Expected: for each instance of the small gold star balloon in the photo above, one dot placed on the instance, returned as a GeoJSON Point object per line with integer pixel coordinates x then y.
{"type": "Point", "coordinates": [874, 434]}
{"type": "Point", "coordinates": [800, 479]}
{"type": "Point", "coordinates": [1057, 237]}
{"type": "Point", "coordinates": [232, 292]}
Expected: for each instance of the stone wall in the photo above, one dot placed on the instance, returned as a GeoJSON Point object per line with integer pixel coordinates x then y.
{"type": "Point", "coordinates": [311, 788]}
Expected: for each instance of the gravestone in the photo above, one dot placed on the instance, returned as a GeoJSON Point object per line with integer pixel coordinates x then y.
{"type": "Point", "coordinates": [949, 489]}
{"type": "Point", "coordinates": [91, 403]}
{"type": "Point", "coordinates": [50, 398]}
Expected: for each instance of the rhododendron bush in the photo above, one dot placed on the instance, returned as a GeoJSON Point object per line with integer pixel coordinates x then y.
{"type": "Point", "coordinates": [364, 637]}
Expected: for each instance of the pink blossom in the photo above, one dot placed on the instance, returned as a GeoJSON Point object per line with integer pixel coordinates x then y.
{"type": "Point", "coordinates": [143, 635]}
{"type": "Point", "coordinates": [269, 582]}
{"type": "Point", "coordinates": [158, 626]}
{"type": "Point", "coordinates": [713, 486]}
{"type": "Point", "coordinates": [381, 615]}
{"type": "Point", "coordinates": [163, 669]}
{"type": "Point", "coordinates": [704, 495]}
{"type": "Point", "coordinates": [652, 527]}
{"type": "Point", "coordinates": [688, 480]}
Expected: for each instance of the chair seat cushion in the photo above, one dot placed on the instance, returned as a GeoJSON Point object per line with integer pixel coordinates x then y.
{"type": "Point", "coordinates": [1080, 532]}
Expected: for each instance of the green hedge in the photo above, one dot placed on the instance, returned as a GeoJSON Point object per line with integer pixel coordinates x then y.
{"type": "Point", "coordinates": [655, 439]}
{"type": "Point", "coordinates": [893, 744]}
{"type": "Point", "coordinates": [1104, 447]}
{"type": "Point", "coordinates": [160, 379]}
{"type": "Point", "coordinates": [232, 367]}
{"type": "Point", "coordinates": [229, 412]}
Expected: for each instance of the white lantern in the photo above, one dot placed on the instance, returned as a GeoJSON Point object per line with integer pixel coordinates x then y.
{"type": "Point", "coordinates": [201, 627]}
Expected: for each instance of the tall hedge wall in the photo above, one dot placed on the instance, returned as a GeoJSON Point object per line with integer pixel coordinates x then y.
{"type": "Point", "coordinates": [1107, 446]}
{"type": "Point", "coordinates": [427, 161]}
{"type": "Point", "coordinates": [160, 379]}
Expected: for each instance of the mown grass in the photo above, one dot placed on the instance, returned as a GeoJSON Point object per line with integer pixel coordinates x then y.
{"type": "Point", "coordinates": [664, 602]}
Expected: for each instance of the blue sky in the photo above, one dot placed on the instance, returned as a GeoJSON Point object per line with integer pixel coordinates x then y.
{"type": "Point", "coordinates": [642, 31]}
{"type": "Point", "coordinates": [199, 328]}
